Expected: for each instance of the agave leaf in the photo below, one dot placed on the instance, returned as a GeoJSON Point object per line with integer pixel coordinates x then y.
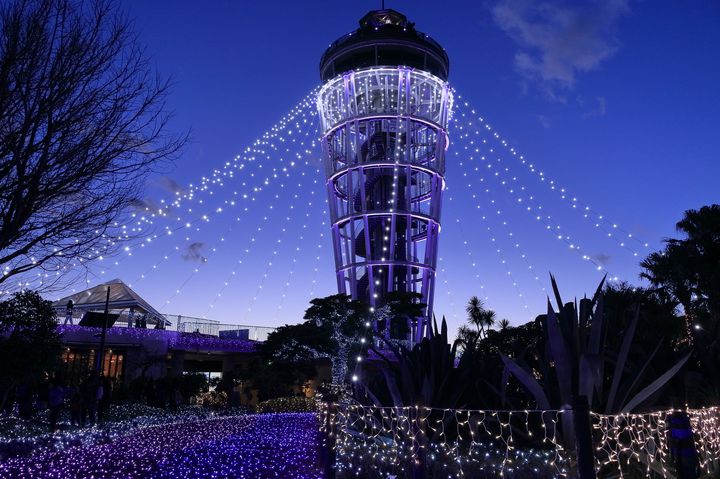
{"type": "Point", "coordinates": [597, 327]}
{"type": "Point", "coordinates": [598, 292]}
{"type": "Point", "coordinates": [559, 353]}
{"type": "Point", "coordinates": [621, 360]}
{"type": "Point", "coordinates": [566, 317]}
{"type": "Point", "coordinates": [639, 375]}
{"type": "Point", "coordinates": [655, 385]}
{"type": "Point", "coordinates": [392, 388]}
{"type": "Point", "coordinates": [528, 381]}
{"type": "Point", "coordinates": [589, 375]}
{"type": "Point", "coordinates": [556, 291]}
{"type": "Point", "coordinates": [585, 313]}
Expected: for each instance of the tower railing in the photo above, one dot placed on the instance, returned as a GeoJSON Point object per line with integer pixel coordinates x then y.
{"type": "Point", "coordinates": [384, 141]}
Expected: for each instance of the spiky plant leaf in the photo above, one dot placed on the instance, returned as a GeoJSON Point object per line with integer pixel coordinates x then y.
{"type": "Point", "coordinates": [597, 327]}
{"type": "Point", "coordinates": [556, 291]}
{"type": "Point", "coordinates": [528, 381]}
{"type": "Point", "coordinates": [560, 356]}
{"type": "Point", "coordinates": [589, 377]}
{"type": "Point", "coordinates": [621, 360]}
{"type": "Point", "coordinates": [628, 389]}
{"type": "Point", "coordinates": [654, 386]}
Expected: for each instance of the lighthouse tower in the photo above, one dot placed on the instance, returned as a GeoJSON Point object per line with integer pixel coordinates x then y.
{"type": "Point", "coordinates": [384, 108]}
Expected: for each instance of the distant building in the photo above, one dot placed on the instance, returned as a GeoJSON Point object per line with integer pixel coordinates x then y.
{"type": "Point", "coordinates": [141, 341]}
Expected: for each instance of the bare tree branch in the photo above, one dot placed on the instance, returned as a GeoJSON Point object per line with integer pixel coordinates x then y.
{"type": "Point", "coordinates": [83, 120]}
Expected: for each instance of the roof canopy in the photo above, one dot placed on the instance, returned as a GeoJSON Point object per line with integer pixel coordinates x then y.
{"type": "Point", "coordinates": [121, 297]}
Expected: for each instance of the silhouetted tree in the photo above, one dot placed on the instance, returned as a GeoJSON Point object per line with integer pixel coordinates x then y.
{"type": "Point", "coordinates": [479, 316]}
{"type": "Point", "coordinates": [399, 314]}
{"type": "Point", "coordinates": [504, 324]}
{"type": "Point", "coordinates": [29, 342]}
{"type": "Point", "coordinates": [467, 337]}
{"type": "Point", "coordinates": [335, 327]}
{"type": "Point", "coordinates": [689, 268]}
{"type": "Point", "coordinates": [82, 122]}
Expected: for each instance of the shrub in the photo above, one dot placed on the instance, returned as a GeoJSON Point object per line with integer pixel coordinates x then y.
{"type": "Point", "coordinates": [289, 404]}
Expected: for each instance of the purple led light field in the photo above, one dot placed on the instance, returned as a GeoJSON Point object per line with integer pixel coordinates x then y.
{"type": "Point", "coordinates": [256, 446]}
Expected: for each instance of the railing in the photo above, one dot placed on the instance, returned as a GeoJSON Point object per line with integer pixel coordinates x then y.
{"type": "Point", "coordinates": [188, 324]}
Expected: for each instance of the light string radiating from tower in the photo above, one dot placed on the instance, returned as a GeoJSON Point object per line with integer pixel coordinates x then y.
{"type": "Point", "coordinates": [271, 208]}
{"type": "Point", "coordinates": [249, 195]}
{"type": "Point", "coordinates": [597, 219]}
{"type": "Point", "coordinates": [278, 245]}
{"type": "Point", "coordinates": [530, 205]}
{"type": "Point", "coordinates": [298, 251]}
{"type": "Point", "coordinates": [252, 197]}
{"type": "Point", "coordinates": [493, 242]}
{"type": "Point", "coordinates": [305, 107]}
{"type": "Point", "coordinates": [472, 188]}
{"type": "Point", "coordinates": [252, 190]}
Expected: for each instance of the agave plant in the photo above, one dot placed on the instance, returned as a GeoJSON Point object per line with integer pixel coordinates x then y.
{"type": "Point", "coordinates": [577, 363]}
{"type": "Point", "coordinates": [425, 375]}
{"type": "Point", "coordinates": [428, 375]}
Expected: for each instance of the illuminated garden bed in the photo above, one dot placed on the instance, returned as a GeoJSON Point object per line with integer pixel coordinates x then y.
{"type": "Point", "coordinates": [248, 446]}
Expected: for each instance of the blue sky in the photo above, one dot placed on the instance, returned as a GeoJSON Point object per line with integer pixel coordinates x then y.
{"type": "Point", "coordinates": [615, 101]}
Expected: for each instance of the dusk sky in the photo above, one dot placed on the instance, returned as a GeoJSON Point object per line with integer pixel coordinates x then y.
{"type": "Point", "coordinates": [616, 101]}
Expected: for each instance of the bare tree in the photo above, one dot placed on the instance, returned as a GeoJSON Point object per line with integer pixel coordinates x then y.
{"type": "Point", "coordinates": [82, 122]}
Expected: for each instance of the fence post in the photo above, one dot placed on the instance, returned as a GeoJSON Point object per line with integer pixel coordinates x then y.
{"type": "Point", "coordinates": [583, 438]}
{"type": "Point", "coordinates": [682, 446]}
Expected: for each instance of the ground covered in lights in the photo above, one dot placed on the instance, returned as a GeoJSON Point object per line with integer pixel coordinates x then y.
{"type": "Point", "coordinates": [251, 446]}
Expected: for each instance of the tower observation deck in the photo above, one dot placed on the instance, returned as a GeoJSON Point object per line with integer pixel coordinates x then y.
{"type": "Point", "coordinates": [384, 108]}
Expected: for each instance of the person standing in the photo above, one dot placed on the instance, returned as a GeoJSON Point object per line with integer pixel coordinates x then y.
{"type": "Point", "coordinates": [76, 406]}
{"type": "Point", "coordinates": [104, 397]}
{"type": "Point", "coordinates": [89, 390]}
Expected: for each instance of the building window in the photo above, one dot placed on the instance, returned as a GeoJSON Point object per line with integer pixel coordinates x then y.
{"type": "Point", "coordinates": [77, 363]}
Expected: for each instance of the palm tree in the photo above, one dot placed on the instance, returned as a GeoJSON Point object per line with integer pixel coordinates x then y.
{"type": "Point", "coordinates": [467, 337]}
{"type": "Point", "coordinates": [483, 319]}
{"type": "Point", "coordinates": [687, 268]}
{"type": "Point", "coordinates": [670, 270]}
{"type": "Point", "coordinates": [475, 309]}
{"type": "Point", "coordinates": [504, 324]}
{"type": "Point", "coordinates": [488, 320]}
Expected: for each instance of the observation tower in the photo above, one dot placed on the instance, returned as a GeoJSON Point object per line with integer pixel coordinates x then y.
{"type": "Point", "coordinates": [384, 108]}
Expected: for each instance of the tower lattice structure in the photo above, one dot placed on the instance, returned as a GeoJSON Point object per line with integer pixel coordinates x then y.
{"type": "Point", "coordinates": [384, 108]}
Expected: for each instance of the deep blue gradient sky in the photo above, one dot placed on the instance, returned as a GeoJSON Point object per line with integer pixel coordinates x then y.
{"type": "Point", "coordinates": [617, 101]}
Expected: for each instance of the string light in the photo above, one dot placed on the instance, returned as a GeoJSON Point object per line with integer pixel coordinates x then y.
{"type": "Point", "coordinates": [512, 238]}
{"type": "Point", "coordinates": [252, 446]}
{"type": "Point", "coordinates": [459, 442]}
{"type": "Point", "coordinates": [294, 260]}
{"type": "Point", "coordinates": [529, 202]}
{"type": "Point", "coordinates": [297, 117]}
{"type": "Point", "coordinates": [628, 442]}
{"type": "Point", "coordinates": [597, 219]}
{"type": "Point", "coordinates": [250, 195]}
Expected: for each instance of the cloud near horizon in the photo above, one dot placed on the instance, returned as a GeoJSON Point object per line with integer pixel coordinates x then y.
{"type": "Point", "coordinates": [559, 40]}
